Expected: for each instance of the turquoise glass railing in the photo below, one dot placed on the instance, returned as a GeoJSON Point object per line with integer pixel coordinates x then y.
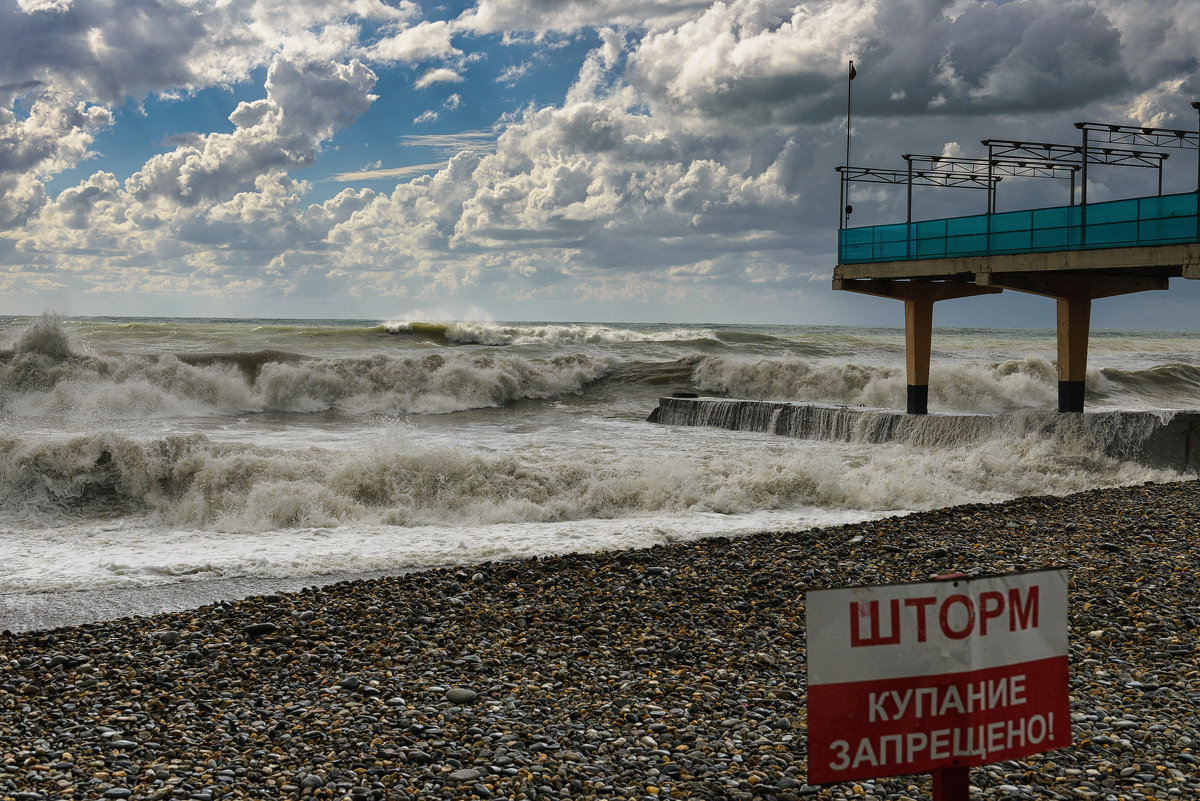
{"type": "Point", "coordinates": [1157, 220]}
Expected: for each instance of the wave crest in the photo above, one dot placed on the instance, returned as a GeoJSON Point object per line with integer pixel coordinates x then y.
{"type": "Point", "coordinates": [46, 338]}
{"type": "Point", "coordinates": [467, 333]}
{"type": "Point", "coordinates": [99, 387]}
{"type": "Point", "coordinates": [1010, 385]}
{"type": "Point", "coordinates": [192, 482]}
{"type": "Point", "coordinates": [423, 385]}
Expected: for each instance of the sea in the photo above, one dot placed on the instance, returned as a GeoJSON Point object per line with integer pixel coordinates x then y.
{"type": "Point", "coordinates": [146, 463]}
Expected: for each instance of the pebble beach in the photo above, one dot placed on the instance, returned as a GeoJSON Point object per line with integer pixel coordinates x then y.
{"type": "Point", "coordinates": [671, 672]}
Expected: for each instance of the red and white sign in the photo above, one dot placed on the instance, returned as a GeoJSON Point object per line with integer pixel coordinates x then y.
{"type": "Point", "coordinates": [913, 678]}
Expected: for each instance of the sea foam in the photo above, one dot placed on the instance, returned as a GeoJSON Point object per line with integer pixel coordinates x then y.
{"type": "Point", "coordinates": [469, 333]}
{"type": "Point", "coordinates": [194, 481]}
{"type": "Point", "coordinates": [99, 387]}
{"type": "Point", "coordinates": [954, 386]}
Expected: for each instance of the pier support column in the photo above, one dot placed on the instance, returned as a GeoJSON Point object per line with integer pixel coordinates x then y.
{"type": "Point", "coordinates": [918, 342]}
{"type": "Point", "coordinates": [919, 297]}
{"type": "Point", "coordinates": [1074, 316]}
{"type": "Point", "coordinates": [1074, 293]}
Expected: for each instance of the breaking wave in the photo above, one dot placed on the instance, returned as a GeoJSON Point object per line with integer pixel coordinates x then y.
{"type": "Point", "coordinates": [43, 377]}
{"type": "Point", "coordinates": [193, 482]}
{"type": "Point", "coordinates": [962, 387]}
{"type": "Point", "coordinates": [464, 333]}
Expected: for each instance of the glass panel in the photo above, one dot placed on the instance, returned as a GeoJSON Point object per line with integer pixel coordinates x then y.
{"type": "Point", "coordinates": [1114, 211]}
{"type": "Point", "coordinates": [1171, 229]}
{"type": "Point", "coordinates": [891, 242]}
{"type": "Point", "coordinates": [1050, 228]}
{"type": "Point", "coordinates": [961, 226]}
{"type": "Point", "coordinates": [968, 245]}
{"type": "Point", "coordinates": [1051, 239]}
{"type": "Point", "coordinates": [1011, 221]}
{"type": "Point", "coordinates": [1110, 234]}
{"type": "Point", "coordinates": [1010, 242]}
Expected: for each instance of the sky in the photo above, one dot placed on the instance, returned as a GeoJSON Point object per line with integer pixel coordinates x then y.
{"type": "Point", "coordinates": [560, 160]}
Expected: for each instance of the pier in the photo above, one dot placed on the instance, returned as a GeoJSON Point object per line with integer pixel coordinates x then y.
{"type": "Point", "coordinates": [1074, 254]}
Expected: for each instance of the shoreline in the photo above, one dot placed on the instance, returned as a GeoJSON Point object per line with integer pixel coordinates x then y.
{"type": "Point", "coordinates": [31, 612]}
{"type": "Point", "coordinates": [672, 671]}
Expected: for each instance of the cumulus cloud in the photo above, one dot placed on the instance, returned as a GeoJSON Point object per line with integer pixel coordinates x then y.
{"type": "Point", "coordinates": [546, 16]}
{"type": "Point", "coordinates": [579, 191]}
{"type": "Point", "coordinates": [424, 41]}
{"type": "Point", "coordinates": [64, 65]}
{"type": "Point", "coordinates": [435, 76]}
{"type": "Point", "coordinates": [779, 63]}
{"type": "Point", "coordinates": [221, 192]}
{"type": "Point", "coordinates": [693, 151]}
{"type": "Point", "coordinates": [55, 135]}
{"type": "Point", "coordinates": [34, 6]}
{"type": "Point", "coordinates": [716, 133]}
{"type": "Point", "coordinates": [305, 104]}
{"type": "Point", "coordinates": [108, 50]}
{"type": "Point", "coordinates": [514, 73]}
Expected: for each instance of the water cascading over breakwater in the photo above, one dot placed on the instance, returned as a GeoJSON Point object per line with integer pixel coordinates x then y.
{"type": "Point", "coordinates": [1158, 439]}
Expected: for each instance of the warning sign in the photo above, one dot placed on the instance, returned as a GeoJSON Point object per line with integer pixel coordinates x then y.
{"type": "Point", "coordinates": [912, 678]}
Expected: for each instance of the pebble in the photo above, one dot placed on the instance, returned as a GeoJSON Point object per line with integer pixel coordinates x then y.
{"type": "Point", "coordinates": [672, 672]}
{"type": "Point", "coordinates": [258, 629]}
{"type": "Point", "coordinates": [461, 695]}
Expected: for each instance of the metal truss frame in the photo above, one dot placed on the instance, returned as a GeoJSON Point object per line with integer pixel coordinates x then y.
{"type": "Point", "coordinates": [1102, 143]}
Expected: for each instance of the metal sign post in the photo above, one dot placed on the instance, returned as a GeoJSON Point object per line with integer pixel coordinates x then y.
{"type": "Point", "coordinates": [936, 677]}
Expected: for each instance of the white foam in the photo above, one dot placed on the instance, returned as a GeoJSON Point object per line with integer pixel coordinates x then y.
{"type": "Point", "coordinates": [88, 391]}
{"type": "Point", "coordinates": [954, 386]}
{"type": "Point", "coordinates": [82, 558]}
{"type": "Point", "coordinates": [138, 468]}
{"type": "Point", "coordinates": [491, 333]}
{"type": "Point", "coordinates": [191, 506]}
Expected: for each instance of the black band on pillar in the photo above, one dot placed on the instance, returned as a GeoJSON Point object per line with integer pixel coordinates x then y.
{"type": "Point", "coordinates": [918, 399]}
{"type": "Point", "coordinates": [1070, 396]}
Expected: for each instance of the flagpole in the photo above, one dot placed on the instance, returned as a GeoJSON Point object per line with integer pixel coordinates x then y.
{"type": "Point", "coordinates": [849, 105]}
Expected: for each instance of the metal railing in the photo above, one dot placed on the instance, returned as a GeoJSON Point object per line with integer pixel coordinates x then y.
{"type": "Point", "coordinates": [1156, 220]}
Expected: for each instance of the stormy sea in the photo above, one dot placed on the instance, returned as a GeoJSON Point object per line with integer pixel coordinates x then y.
{"type": "Point", "coordinates": [155, 463]}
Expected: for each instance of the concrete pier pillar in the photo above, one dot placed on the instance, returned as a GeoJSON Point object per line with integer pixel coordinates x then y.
{"type": "Point", "coordinates": [919, 297]}
{"type": "Point", "coordinates": [1074, 316]}
{"type": "Point", "coordinates": [1074, 295]}
{"type": "Point", "coordinates": [918, 342]}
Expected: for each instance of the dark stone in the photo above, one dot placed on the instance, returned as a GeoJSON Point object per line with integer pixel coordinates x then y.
{"type": "Point", "coordinates": [258, 629]}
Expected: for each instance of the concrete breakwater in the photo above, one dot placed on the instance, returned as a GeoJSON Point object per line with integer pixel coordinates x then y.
{"type": "Point", "coordinates": [1157, 439]}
